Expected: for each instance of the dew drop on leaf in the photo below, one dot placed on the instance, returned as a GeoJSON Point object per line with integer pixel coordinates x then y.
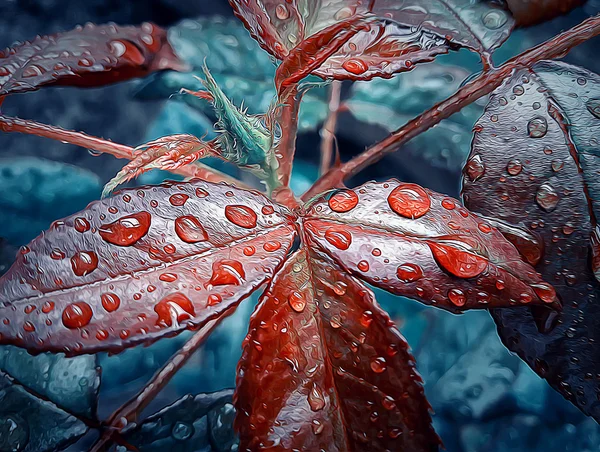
{"type": "Point", "coordinates": [182, 431]}
{"type": "Point", "coordinates": [174, 309]}
{"type": "Point", "coordinates": [378, 365]}
{"type": "Point", "coordinates": [77, 315]}
{"type": "Point", "coordinates": [316, 399]}
{"type": "Point", "coordinates": [458, 262]}
{"type": "Point", "coordinates": [242, 216]}
{"type": "Point", "coordinates": [343, 201]}
{"type": "Point", "coordinates": [81, 225]}
{"type": "Point", "coordinates": [495, 19]}
{"type": "Point", "coordinates": [537, 127]}
{"type": "Point", "coordinates": [110, 301]}
{"type": "Point", "coordinates": [189, 229]}
{"type": "Point", "coordinates": [214, 299]}
{"type": "Point", "coordinates": [546, 197]}
{"type": "Point", "coordinates": [408, 272]}
{"type": "Point", "coordinates": [338, 237]}
{"type": "Point", "coordinates": [282, 12]}
{"type": "Point", "coordinates": [227, 272]}
{"type": "Point", "coordinates": [84, 262]}
{"type": "Point", "coordinates": [545, 291]}
{"type": "Point", "coordinates": [178, 199]}
{"type": "Point", "coordinates": [457, 297]}
{"type": "Point", "coordinates": [297, 301]}
{"type": "Point", "coordinates": [514, 167]}
{"type": "Point", "coordinates": [355, 66]}
{"type": "Point", "coordinates": [126, 230]}
{"type": "Point", "coordinates": [475, 168]}
{"type": "Point", "coordinates": [409, 200]}
{"type": "Point", "coordinates": [272, 246]}
{"type": "Point", "coordinates": [47, 307]}
{"type": "Point", "coordinates": [363, 266]}
{"type": "Point", "coordinates": [168, 277]}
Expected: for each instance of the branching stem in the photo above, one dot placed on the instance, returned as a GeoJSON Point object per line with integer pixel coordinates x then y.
{"type": "Point", "coordinates": [328, 129]}
{"type": "Point", "coordinates": [485, 83]}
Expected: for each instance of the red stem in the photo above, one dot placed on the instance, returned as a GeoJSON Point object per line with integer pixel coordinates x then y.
{"type": "Point", "coordinates": [129, 411]}
{"type": "Point", "coordinates": [485, 83]}
{"type": "Point", "coordinates": [8, 124]}
{"type": "Point", "coordinates": [328, 129]}
{"type": "Point", "coordinates": [288, 121]}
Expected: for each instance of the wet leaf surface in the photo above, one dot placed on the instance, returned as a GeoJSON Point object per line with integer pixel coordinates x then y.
{"type": "Point", "coordinates": [417, 243]}
{"type": "Point", "coordinates": [324, 367]}
{"type": "Point", "coordinates": [143, 264]}
{"type": "Point", "coordinates": [241, 69]}
{"type": "Point", "coordinates": [530, 12]}
{"type": "Point", "coordinates": [408, 33]}
{"type": "Point", "coordinates": [92, 55]}
{"type": "Point", "coordinates": [533, 167]}
{"type": "Point", "coordinates": [193, 423]}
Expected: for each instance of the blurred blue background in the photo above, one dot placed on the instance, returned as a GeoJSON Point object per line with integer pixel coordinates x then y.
{"type": "Point", "coordinates": [485, 398]}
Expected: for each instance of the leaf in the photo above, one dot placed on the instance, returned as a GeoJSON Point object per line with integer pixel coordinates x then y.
{"type": "Point", "coordinates": [193, 423]}
{"type": "Point", "coordinates": [417, 243]}
{"type": "Point", "coordinates": [240, 68]}
{"type": "Point", "coordinates": [407, 33]}
{"type": "Point", "coordinates": [534, 167]}
{"type": "Point", "coordinates": [92, 55]}
{"type": "Point", "coordinates": [143, 264]}
{"type": "Point", "coordinates": [531, 12]}
{"type": "Point", "coordinates": [324, 367]}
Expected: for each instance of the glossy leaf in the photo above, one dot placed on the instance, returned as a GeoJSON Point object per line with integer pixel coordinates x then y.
{"type": "Point", "coordinates": [420, 244]}
{"type": "Point", "coordinates": [203, 422]}
{"type": "Point", "coordinates": [143, 264]}
{"type": "Point", "coordinates": [531, 12]}
{"type": "Point", "coordinates": [534, 167]}
{"type": "Point", "coordinates": [324, 368]}
{"type": "Point", "coordinates": [406, 33]}
{"type": "Point", "coordinates": [92, 55]}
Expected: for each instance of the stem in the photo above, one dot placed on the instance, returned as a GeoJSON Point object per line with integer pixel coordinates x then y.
{"type": "Point", "coordinates": [129, 411]}
{"type": "Point", "coordinates": [328, 130]}
{"type": "Point", "coordinates": [288, 122]}
{"type": "Point", "coordinates": [485, 83]}
{"type": "Point", "coordinates": [121, 151]}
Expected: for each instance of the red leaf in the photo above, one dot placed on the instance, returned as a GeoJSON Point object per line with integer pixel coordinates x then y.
{"type": "Point", "coordinates": [88, 56]}
{"type": "Point", "coordinates": [407, 32]}
{"type": "Point", "coordinates": [531, 12]}
{"type": "Point", "coordinates": [323, 368]}
{"type": "Point", "coordinates": [535, 147]}
{"type": "Point", "coordinates": [423, 245]}
{"type": "Point", "coordinates": [138, 266]}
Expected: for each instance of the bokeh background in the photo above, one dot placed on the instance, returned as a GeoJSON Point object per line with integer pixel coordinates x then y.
{"type": "Point", "coordinates": [485, 399]}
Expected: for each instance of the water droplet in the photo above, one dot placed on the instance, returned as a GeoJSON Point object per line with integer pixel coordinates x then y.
{"type": "Point", "coordinates": [14, 433]}
{"type": "Point", "coordinates": [29, 327]}
{"type": "Point", "coordinates": [343, 201]}
{"type": "Point", "coordinates": [249, 250]}
{"type": "Point", "coordinates": [47, 307]}
{"type": "Point", "coordinates": [242, 216]}
{"type": "Point", "coordinates": [29, 308]}
{"type": "Point", "coordinates": [110, 301]}
{"type": "Point", "coordinates": [388, 403]}
{"type": "Point", "coordinates": [282, 12]}
{"type": "Point", "coordinates": [178, 199]}
{"type": "Point", "coordinates": [189, 229]}
{"type": "Point", "coordinates": [81, 224]}
{"type": "Point", "coordinates": [409, 200]}
{"type": "Point", "coordinates": [316, 399]}
{"type": "Point", "coordinates": [363, 266]}
{"type": "Point", "coordinates": [537, 127]}
{"type": "Point", "coordinates": [593, 106]}
{"type": "Point", "coordinates": [378, 365]}
{"type": "Point", "coordinates": [126, 230]}
{"type": "Point", "coordinates": [182, 431]}
{"type": "Point", "coordinates": [546, 197]}
{"type": "Point", "coordinates": [458, 262]}
{"type": "Point", "coordinates": [340, 288]}
{"type": "Point", "coordinates": [557, 165]}
{"type": "Point", "coordinates": [338, 237]}
{"type": "Point", "coordinates": [457, 297]}
{"type": "Point", "coordinates": [518, 90]}
{"type": "Point", "coordinates": [267, 210]}
{"type": "Point", "coordinates": [448, 204]}
{"type": "Point", "coordinates": [214, 299]}
{"type": "Point", "coordinates": [77, 315]}
{"type": "Point", "coordinates": [168, 277]}
{"type": "Point", "coordinates": [376, 252]}
{"type": "Point", "coordinates": [366, 319]}
{"type": "Point", "coordinates": [475, 168]}
{"type": "Point", "coordinates": [485, 228]}
{"type": "Point", "coordinates": [57, 254]}
{"type": "Point", "coordinates": [317, 426]}
{"type": "Point", "coordinates": [355, 66]}
{"type": "Point", "coordinates": [297, 301]}
{"type": "Point", "coordinates": [408, 273]}
{"type": "Point", "coordinates": [227, 272]}
{"type": "Point", "coordinates": [545, 291]}
{"type": "Point", "coordinates": [174, 309]}
{"type": "Point", "coordinates": [495, 19]}
{"type": "Point", "coordinates": [335, 322]}
{"type": "Point", "coordinates": [272, 246]}
{"type": "Point", "coordinates": [84, 262]}
{"type": "Point", "coordinates": [514, 167]}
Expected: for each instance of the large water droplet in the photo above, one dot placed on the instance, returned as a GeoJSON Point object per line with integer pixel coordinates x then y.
{"type": "Point", "coordinates": [338, 237]}
{"type": "Point", "coordinates": [77, 315]}
{"type": "Point", "coordinates": [178, 199]}
{"type": "Point", "coordinates": [514, 167]}
{"type": "Point", "coordinates": [409, 200]}
{"type": "Point", "coordinates": [343, 201]}
{"type": "Point", "coordinates": [81, 224]}
{"type": "Point", "coordinates": [475, 168]}
{"type": "Point", "coordinates": [281, 12]}
{"type": "Point", "coordinates": [457, 297]}
{"type": "Point", "coordinates": [174, 309]}
{"type": "Point", "coordinates": [546, 197]}
{"type": "Point", "coordinates": [126, 230]}
{"type": "Point", "coordinates": [182, 431]}
{"type": "Point", "coordinates": [84, 262]}
{"type": "Point", "coordinates": [378, 365]}
{"type": "Point", "coordinates": [242, 216]}
{"type": "Point", "coordinates": [458, 262]}
{"type": "Point", "coordinates": [110, 301]}
{"type": "Point", "coordinates": [189, 229]}
{"type": "Point", "coordinates": [545, 291]}
{"type": "Point", "coordinates": [227, 272]}
{"type": "Point", "coordinates": [297, 301]}
{"type": "Point", "coordinates": [355, 66]}
{"type": "Point", "coordinates": [316, 399]}
{"type": "Point", "coordinates": [408, 272]}
{"type": "Point", "coordinates": [537, 127]}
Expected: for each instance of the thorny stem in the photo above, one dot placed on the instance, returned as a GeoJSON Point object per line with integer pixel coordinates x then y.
{"type": "Point", "coordinates": [8, 124]}
{"type": "Point", "coordinates": [328, 129]}
{"type": "Point", "coordinates": [288, 122]}
{"type": "Point", "coordinates": [129, 411]}
{"type": "Point", "coordinates": [485, 83]}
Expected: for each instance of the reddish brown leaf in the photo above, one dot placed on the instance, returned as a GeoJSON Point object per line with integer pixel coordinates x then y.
{"type": "Point", "coordinates": [138, 266]}
{"type": "Point", "coordinates": [531, 12]}
{"type": "Point", "coordinates": [88, 56]}
{"type": "Point", "coordinates": [323, 368]}
{"type": "Point", "coordinates": [408, 32]}
{"type": "Point", "coordinates": [423, 245]}
{"type": "Point", "coordinates": [537, 172]}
